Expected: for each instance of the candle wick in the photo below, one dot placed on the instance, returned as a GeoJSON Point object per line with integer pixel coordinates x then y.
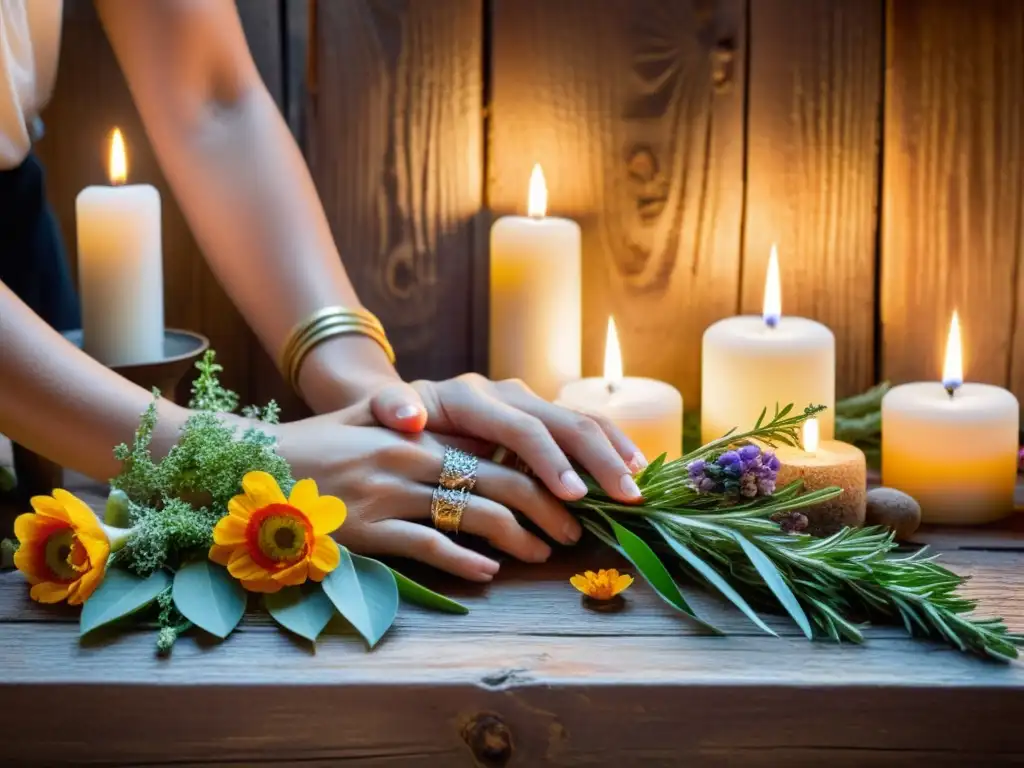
{"type": "Point", "coordinates": [951, 387]}
{"type": "Point", "coordinates": [612, 388]}
{"type": "Point", "coordinates": [771, 320]}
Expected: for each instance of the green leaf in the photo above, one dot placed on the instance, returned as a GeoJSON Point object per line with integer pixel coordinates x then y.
{"type": "Point", "coordinates": [365, 592]}
{"type": "Point", "coordinates": [415, 593]}
{"type": "Point", "coordinates": [714, 578]}
{"type": "Point", "coordinates": [304, 610]}
{"type": "Point", "coordinates": [653, 570]}
{"type": "Point", "coordinates": [773, 578]}
{"type": "Point", "coordinates": [120, 594]}
{"type": "Point", "coordinates": [209, 597]}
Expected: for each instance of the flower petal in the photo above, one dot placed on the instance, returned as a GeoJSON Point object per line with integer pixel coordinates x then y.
{"type": "Point", "coordinates": [581, 583]}
{"type": "Point", "coordinates": [304, 494]}
{"type": "Point", "coordinates": [293, 575]}
{"type": "Point", "coordinates": [621, 582]}
{"type": "Point", "coordinates": [49, 592]}
{"type": "Point", "coordinates": [326, 515]}
{"type": "Point", "coordinates": [242, 567]}
{"type": "Point", "coordinates": [30, 559]}
{"type": "Point", "coordinates": [32, 528]}
{"type": "Point", "coordinates": [221, 554]}
{"type": "Point", "coordinates": [82, 517]}
{"type": "Point", "coordinates": [241, 506]}
{"type": "Point", "coordinates": [261, 585]}
{"type": "Point", "coordinates": [88, 583]}
{"type": "Point", "coordinates": [230, 529]}
{"type": "Point", "coordinates": [50, 507]}
{"type": "Point", "coordinates": [324, 558]}
{"type": "Point", "coordinates": [98, 549]}
{"type": "Point", "coordinates": [262, 489]}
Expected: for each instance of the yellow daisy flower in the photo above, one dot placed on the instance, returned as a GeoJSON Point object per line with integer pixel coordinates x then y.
{"type": "Point", "coordinates": [268, 542]}
{"type": "Point", "coordinates": [603, 585]}
{"type": "Point", "coordinates": [63, 548]}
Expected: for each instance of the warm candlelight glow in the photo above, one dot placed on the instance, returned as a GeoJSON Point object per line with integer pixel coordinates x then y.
{"type": "Point", "coordinates": [811, 436]}
{"type": "Point", "coordinates": [118, 159]}
{"type": "Point", "coordinates": [772, 308]}
{"type": "Point", "coordinates": [612, 356]}
{"type": "Point", "coordinates": [953, 369]}
{"type": "Point", "coordinates": [537, 202]}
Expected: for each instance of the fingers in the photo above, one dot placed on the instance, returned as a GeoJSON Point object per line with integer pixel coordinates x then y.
{"type": "Point", "coordinates": [399, 407]}
{"type": "Point", "coordinates": [419, 542]}
{"type": "Point", "coordinates": [482, 517]}
{"type": "Point", "coordinates": [519, 492]}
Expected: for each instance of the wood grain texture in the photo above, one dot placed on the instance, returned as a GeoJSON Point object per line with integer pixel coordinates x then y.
{"type": "Point", "coordinates": [635, 112]}
{"type": "Point", "coordinates": [954, 150]}
{"type": "Point", "coordinates": [395, 145]}
{"type": "Point", "coordinates": [813, 162]}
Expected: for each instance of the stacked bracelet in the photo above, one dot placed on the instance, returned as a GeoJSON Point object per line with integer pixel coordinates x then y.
{"type": "Point", "coordinates": [325, 324]}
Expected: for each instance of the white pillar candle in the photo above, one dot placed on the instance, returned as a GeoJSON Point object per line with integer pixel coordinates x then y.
{"type": "Point", "coordinates": [535, 332]}
{"type": "Point", "coordinates": [650, 412]}
{"type": "Point", "coordinates": [751, 362]}
{"type": "Point", "coordinates": [120, 271]}
{"type": "Point", "coordinates": [952, 446]}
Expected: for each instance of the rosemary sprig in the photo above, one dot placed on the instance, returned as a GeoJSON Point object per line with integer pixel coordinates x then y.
{"type": "Point", "coordinates": [827, 586]}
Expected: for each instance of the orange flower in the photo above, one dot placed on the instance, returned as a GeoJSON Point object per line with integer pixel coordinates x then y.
{"type": "Point", "coordinates": [603, 585]}
{"type": "Point", "coordinates": [268, 542]}
{"type": "Point", "coordinates": [63, 548]}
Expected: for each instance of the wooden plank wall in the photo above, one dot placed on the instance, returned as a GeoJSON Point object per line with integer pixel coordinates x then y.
{"type": "Point", "coordinates": [878, 142]}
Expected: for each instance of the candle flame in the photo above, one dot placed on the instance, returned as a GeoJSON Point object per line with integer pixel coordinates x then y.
{"type": "Point", "coordinates": [537, 201]}
{"type": "Point", "coordinates": [811, 435]}
{"type": "Point", "coordinates": [118, 158]}
{"type": "Point", "coordinates": [772, 307]}
{"type": "Point", "coordinates": [953, 368]}
{"type": "Point", "coordinates": [612, 356]}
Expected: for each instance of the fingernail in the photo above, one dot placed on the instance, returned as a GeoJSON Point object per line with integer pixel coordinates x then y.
{"type": "Point", "coordinates": [638, 462]}
{"type": "Point", "coordinates": [488, 566]}
{"type": "Point", "coordinates": [407, 412]}
{"type": "Point", "coordinates": [629, 487]}
{"type": "Point", "coordinates": [572, 532]}
{"type": "Point", "coordinates": [573, 483]}
{"type": "Point", "coordinates": [540, 553]}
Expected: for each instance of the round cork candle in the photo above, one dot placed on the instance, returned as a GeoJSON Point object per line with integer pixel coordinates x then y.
{"type": "Point", "coordinates": [824, 464]}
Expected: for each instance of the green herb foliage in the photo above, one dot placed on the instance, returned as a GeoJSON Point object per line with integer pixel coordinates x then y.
{"type": "Point", "coordinates": [827, 586]}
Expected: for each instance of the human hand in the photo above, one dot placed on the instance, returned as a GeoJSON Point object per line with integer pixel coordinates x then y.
{"type": "Point", "coordinates": [509, 414]}
{"type": "Point", "coordinates": [386, 480]}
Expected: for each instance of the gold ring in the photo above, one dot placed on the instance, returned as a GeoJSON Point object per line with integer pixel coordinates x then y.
{"type": "Point", "coordinates": [446, 508]}
{"type": "Point", "coordinates": [458, 470]}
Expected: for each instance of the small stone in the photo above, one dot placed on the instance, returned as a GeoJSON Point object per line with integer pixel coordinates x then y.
{"type": "Point", "coordinates": [894, 510]}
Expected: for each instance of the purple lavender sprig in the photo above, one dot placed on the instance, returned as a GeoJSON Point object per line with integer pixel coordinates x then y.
{"type": "Point", "coordinates": [747, 471]}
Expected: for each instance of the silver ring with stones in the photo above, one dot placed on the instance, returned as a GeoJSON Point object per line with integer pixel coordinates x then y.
{"type": "Point", "coordinates": [458, 470]}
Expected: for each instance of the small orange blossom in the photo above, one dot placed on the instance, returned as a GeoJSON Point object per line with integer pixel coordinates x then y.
{"type": "Point", "coordinates": [63, 548]}
{"type": "Point", "coordinates": [603, 585]}
{"type": "Point", "coordinates": [268, 542]}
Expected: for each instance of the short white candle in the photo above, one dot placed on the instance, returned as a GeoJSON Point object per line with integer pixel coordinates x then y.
{"type": "Point", "coordinates": [650, 412]}
{"type": "Point", "coordinates": [952, 446]}
{"type": "Point", "coordinates": [120, 271]}
{"type": "Point", "coordinates": [751, 362]}
{"type": "Point", "coordinates": [535, 317]}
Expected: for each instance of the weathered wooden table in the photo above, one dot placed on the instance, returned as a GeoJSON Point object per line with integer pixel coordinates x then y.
{"type": "Point", "coordinates": [530, 677]}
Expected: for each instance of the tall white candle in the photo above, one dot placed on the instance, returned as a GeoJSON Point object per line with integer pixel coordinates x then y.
{"type": "Point", "coordinates": [535, 318]}
{"type": "Point", "coordinates": [751, 362]}
{"type": "Point", "coordinates": [650, 412]}
{"type": "Point", "coordinates": [952, 446]}
{"type": "Point", "coordinates": [120, 271]}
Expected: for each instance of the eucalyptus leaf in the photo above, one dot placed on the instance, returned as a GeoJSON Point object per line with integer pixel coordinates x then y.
{"type": "Point", "coordinates": [413, 592]}
{"type": "Point", "coordinates": [209, 597]}
{"type": "Point", "coordinates": [713, 577]}
{"type": "Point", "coordinates": [120, 594]}
{"type": "Point", "coordinates": [304, 610]}
{"type": "Point", "coordinates": [365, 592]}
{"type": "Point", "coordinates": [773, 579]}
{"type": "Point", "coordinates": [653, 570]}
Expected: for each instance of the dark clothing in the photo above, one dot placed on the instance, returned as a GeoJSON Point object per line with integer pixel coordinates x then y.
{"type": "Point", "coordinates": [33, 262]}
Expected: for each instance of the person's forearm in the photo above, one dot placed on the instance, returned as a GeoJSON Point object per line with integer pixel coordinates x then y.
{"type": "Point", "coordinates": [241, 182]}
{"type": "Point", "coordinates": [59, 402]}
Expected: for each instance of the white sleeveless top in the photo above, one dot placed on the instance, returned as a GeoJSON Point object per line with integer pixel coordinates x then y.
{"type": "Point", "coordinates": [29, 47]}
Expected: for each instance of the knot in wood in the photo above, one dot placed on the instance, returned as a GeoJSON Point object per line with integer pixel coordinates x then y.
{"type": "Point", "coordinates": [489, 739]}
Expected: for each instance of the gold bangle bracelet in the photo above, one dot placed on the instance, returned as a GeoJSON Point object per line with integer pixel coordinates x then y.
{"type": "Point", "coordinates": [324, 324]}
